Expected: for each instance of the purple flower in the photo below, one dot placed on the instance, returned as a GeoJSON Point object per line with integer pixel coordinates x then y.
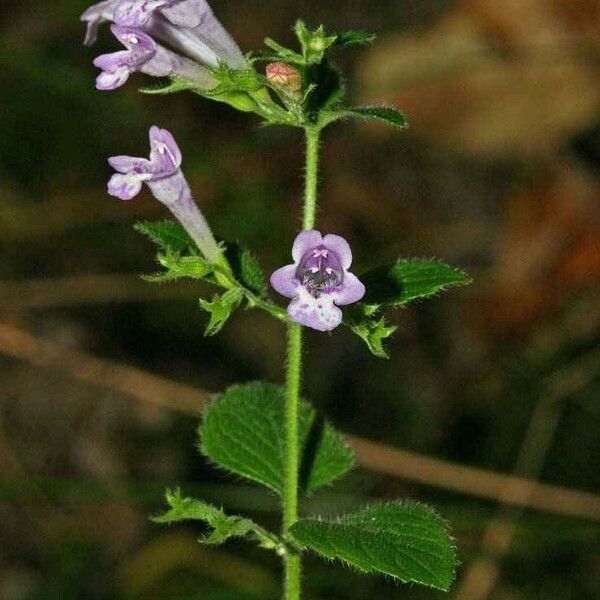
{"type": "Point", "coordinates": [318, 281]}
{"type": "Point", "coordinates": [187, 26]}
{"type": "Point", "coordinates": [163, 176]}
{"type": "Point", "coordinates": [145, 55]}
{"type": "Point", "coordinates": [135, 13]}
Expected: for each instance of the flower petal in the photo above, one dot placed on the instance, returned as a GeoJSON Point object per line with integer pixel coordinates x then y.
{"type": "Point", "coordinates": [187, 13]}
{"type": "Point", "coordinates": [128, 164]}
{"type": "Point", "coordinates": [111, 80]}
{"type": "Point", "coordinates": [305, 241]}
{"type": "Point", "coordinates": [165, 155]}
{"type": "Point", "coordinates": [317, 313]}
{"type": "Point", "coordinates": [351, 290]}
{"type": "Point", "coordinates": [284, 281]}
{"type": "Point", "coordinates": [340, 246]}
{"type": "Point", "coordinates": [139, 43]}
{"type": "Point", "coordinates": [135, 13]}
{"type": "Point", "coordinates": [125, 186]}
{"type": "Point", "coordinates": [94, 16]}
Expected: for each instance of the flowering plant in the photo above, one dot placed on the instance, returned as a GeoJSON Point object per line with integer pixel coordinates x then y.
{"type": "Point", "coordinates": [264, 432]}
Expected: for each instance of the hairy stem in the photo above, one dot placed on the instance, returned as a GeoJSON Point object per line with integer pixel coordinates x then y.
{"type": "Point", "coordinates": [312, 168]}
{"type": "Point", "coordinates": [292, 387]}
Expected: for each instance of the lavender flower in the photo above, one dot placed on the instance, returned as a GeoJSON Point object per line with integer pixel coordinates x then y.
{"type": "Point", "coordinates": [145, 55]}
{"type": "Point", "coordinates": [187, 26]}
{"type": "Point", "coordinates": [163, 176]}
{"type": "Point", "coordinates": [318, 281]}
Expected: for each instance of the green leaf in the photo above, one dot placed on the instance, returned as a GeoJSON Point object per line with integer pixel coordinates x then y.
{"type": "Point", "coordinates": [243, 431]}
{"type": "Point", "coordinates": [223, 526]}
{"type": "Point", "coordinates": [407, 541]}
{"type": "Point", "coordinates": [409, 280]}
{"type": "Point", "coordinates": [281, 53]}
{"type": "Point", "coordinates": [245, 268]}
{"type": "Point", "coordinates": [167, 234]}
{"type": "Point", "coordinates": [354, 38]}
{"type": "Point", "coordinates": [178, 267]}
{"type": "Point", "coordinates": [314, 43]}
{"type": "Point", "coordinates": [178, 253]}
{"type": "Point", "coordinates": [220, 308]}
{"type": "Point", "coordinates": [176, 84]}
{"type": "Point", "coordinates": [391, 116]}
{"type": "Point", "coordinates": [373, 332]}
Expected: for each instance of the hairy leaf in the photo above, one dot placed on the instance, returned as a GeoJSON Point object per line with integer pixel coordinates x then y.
{"type": "Point", "coordinates": [167, 234]}
{"type": "Point", "coordinates": [353, 38]}
{"type": "Point", "coordinates": [176, 84]}
{"type": "Point", "coordinates": [243, 431]}
{"type": "Point", "coordinates": [388, 115]}
{"type": "Point", "coordinates": [220, 308]}
{"type": "Point", "coordinates": [407, 541]}
{"type": "Point", "coordinates": [222, 526]}
{"type": "Point", "coordinates": [409, 280]}
{"type": "Point", "coordinates": [373, 331]}
{"type": "Point", "coordinates": [178, 267]}
{"type": "Point", "coordinates": [245, 268]}
{"type": "Point", "coordinates": [314, 43]}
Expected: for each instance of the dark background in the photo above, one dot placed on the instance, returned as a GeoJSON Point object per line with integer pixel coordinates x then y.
{"type": "Point", "coordinates": [498, 174]}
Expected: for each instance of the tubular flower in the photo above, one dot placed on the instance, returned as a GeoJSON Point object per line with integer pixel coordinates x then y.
{"type": "Point", "coordinates": [145, 55]}
{"type": "Point", "coordinates": [187, 26]}
{"type": "Point", "coordinates": [318, 281]}
{"type": "Point", "coordinates": [162, 173]}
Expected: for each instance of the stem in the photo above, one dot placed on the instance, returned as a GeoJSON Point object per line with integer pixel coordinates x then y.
{"type": "Point", "coordinates": [292, 387]}
{"type": "Point", "coordinates": [312, 166]}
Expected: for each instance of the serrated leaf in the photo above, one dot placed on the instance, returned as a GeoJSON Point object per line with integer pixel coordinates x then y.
{"type": "Point", "coordinates": [223, 526]}
{"type": "Point", "coordinates": [409, 280]}
{"type": "Point", "coordinates": [407, 541]}
{"type": "Point", "coordinates": [243, 431]}
{"type": "Point", "coordinates": [388, 115]}
{"type": "Point", "coordinates": [252, 274]}
{"type": "Point", "coordinates": [220, 309]}
{"type": "Point", "coordinates": [245, 268]}
{"type": "Point", "coordinates": [353, 38]}
{"type": "Point", "coordinates": [373, 332]}
{"type": "Point", "coordinates": [167, 234]}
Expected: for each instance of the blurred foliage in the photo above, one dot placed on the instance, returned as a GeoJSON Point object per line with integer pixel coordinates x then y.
{"type": "Point", "coordinates": [498, 174]}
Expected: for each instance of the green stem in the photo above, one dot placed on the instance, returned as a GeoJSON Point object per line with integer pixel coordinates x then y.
{"type": "Point", "coordinates": [312, 168]}
{"type": "Point", "coordinates": [292, 387]}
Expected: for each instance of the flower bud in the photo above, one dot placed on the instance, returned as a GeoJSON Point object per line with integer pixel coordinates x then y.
{"type": "Point", "coordinates": [284, 76]}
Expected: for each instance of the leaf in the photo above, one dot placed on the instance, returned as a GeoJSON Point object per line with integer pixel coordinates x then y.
{"type": "Point", "coordinates": [404, 540]}
{"type": "Point", "coordinates": [373, 332]}
{"type": "Point", "coordinates": [220, 308]}
{"type": "Point", "coordinates": [245, 268]}
{"type": "Point", "coordinates": [167, 234]}
{"type": "Point", "coordinates": [282, 53]}
{"type": "Point", "coordinates": [223, 526]}
{"type": "Point", "coordinates": [178, 267]}
{"type": "Point", "coordinates": [243, 431]}
{"type": "Point", "coordinates": [391, 116]}
{"type": "Point", "coordinates": [354, 38]}
{"type": "Point", "coordinates": [409, 280]}
{"type": "Point", "coordinates": [314, 43]}
{"type": "Point", "coordinates": [177, 84]}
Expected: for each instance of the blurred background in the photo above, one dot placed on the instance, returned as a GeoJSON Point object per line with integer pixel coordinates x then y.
{"type": "Point", "coordinates": [102, 376]}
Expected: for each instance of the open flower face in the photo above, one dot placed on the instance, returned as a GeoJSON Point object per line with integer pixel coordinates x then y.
{"type": "Point", "coordinates": [318, 281]}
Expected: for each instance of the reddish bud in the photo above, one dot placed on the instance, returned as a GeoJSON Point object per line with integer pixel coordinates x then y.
{"type": "Point", "coordinates": [282, 75]}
